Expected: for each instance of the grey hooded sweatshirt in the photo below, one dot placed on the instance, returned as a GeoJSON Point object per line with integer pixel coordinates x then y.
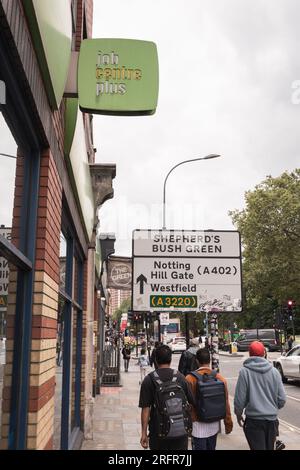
{"type": "Point", "coordinates": [259, 390]}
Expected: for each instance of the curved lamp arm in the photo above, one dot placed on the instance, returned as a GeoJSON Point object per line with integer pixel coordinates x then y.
{"type": "Point", "coordinates": [178, 164]}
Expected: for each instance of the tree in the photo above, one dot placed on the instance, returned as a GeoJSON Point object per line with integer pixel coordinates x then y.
{"type": "Point", "coordinates": [270, 231]}
{"type": "Point", "coordinates": [124, 307]}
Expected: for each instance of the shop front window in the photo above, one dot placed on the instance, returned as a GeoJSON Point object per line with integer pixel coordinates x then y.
{"type": "Point", "coordinates": [68, 349]}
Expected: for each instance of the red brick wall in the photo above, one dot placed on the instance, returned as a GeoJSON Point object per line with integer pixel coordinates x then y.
{"type": "Point", "coordinates": [49, 219]}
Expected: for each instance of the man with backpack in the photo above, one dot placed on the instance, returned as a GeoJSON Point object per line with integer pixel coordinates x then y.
{"type": "Point", "coordinates": [211, 403]}
{"type": "Point", "coordinates": [165, 400]}
{"type": "Point", "coordinates": [188, 362]}
{"type": "Point", "coordinates": [259, 393]}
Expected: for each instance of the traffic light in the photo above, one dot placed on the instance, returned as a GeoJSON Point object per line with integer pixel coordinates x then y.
{"type": "Point", "coordinates": [149, 317]}
{"type": "Point", "coordinates": [130, 315]}
{"type": "Point", "coordinates": [291, 304]}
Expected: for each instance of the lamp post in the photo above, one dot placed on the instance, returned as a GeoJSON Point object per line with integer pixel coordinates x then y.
{"type": "Point", "coordinates": [207, 157]}
{"type": "Point", "coordinates": [7, 155]}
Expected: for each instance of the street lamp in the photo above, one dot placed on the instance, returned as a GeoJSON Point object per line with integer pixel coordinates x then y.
{"type": "Point", "coordinates": [7, 155]}
{"type": "Point", "coordinates": [208, 157]}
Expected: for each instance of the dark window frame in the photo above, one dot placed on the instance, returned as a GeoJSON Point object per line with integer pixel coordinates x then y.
{"type": "Point", "coordinates": [71, 305]}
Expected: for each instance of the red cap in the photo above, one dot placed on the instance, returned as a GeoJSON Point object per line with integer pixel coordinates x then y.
{"type": "Point", "coordinates": [256, 348]}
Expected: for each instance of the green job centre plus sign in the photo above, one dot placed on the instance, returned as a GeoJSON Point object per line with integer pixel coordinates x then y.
{"type": "Point", "coordinates": [118, 76]}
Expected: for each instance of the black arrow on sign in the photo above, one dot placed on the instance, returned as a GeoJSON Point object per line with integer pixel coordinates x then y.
{"type": "Point", "coordinates": [141, 279]}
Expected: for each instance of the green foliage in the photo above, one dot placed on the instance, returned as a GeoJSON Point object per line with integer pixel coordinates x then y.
{"type": "Point", "coordinates": [270, 231]}
{"type": "Point", "coordinates": [124, 307]}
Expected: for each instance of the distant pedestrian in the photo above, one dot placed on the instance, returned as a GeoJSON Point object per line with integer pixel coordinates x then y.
{"type": "Point", "coordinates": [260, 394]}
{"type": "Point", "coordinates": [143, 362]}
{"type": "Point", "coordinates": [206, 428]}
{"type": "Point", "coordinates": [169, 426]}
{"type": "Point", "coordinates": [152, 357]}
{"type": "Point", "coordinates": [188, 362]}
{"type": "Point", "coordinates": [126, 352]}
{"type": "Point", "coordinates": [290, 342]}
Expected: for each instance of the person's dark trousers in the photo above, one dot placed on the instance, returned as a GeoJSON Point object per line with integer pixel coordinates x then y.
{"type": "Point", "coordinates": [168, 444]}
{"type": "Point", "coordinates": [260, 433]}
{"type": "Point", "coordinates": [204, 443]}
{"type": "Point", "coordinates": [126, 364]}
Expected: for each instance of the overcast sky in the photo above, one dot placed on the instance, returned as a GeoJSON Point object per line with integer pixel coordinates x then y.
{"type": "Point", "coordinates": [227, 68]}
{"type": "Point", "coordinates": [227, 71]}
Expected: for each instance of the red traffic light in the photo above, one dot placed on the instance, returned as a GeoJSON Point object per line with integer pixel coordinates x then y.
{"type": "Point", "coordinates": [290, 303]}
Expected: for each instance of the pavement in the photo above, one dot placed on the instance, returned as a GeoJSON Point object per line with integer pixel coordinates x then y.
{"type": "Point", "coordinates": [116, 420]}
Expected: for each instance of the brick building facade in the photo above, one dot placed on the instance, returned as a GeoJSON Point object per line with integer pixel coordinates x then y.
{"type": "Point", "coordinates": [47, 207]}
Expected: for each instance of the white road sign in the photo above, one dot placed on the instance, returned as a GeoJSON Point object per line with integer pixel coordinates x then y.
{"type": "Point", "coordinates": [183, 243]}
{"type": "Point", "coordinates": [203, 274]}
{"type": "Point", "coordinates": [164, 318]}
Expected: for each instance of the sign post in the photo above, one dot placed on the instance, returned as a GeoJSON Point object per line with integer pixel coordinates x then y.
{"type": "Point", "coordinates": [176, 270]}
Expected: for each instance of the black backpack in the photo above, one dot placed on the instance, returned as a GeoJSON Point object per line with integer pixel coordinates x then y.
{"type": "Point", "coordinates": [171, 408]}
{"type": "Point", "coordinates": [210, 397]}
{"type": "Point", "coordinates": [188, 362]}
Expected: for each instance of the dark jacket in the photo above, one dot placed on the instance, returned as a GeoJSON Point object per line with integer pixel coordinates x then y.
{"type": "Point", "coordinates": [126, 353]}
{"type": "Point", "coordinates": [187, 362]}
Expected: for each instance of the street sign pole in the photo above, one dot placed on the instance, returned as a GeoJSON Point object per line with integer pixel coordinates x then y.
{"type": "Point", "coordinates": [214, 343]}
{"type": "Point", "coordinates": [187, 328]}
{"type": "Point", "coordinates": [159, 333]}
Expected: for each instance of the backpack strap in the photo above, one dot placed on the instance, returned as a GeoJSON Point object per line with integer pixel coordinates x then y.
{"type": "Point", "coordinates": [174, 378]}
{"type": "Point", "coordinates": [156, 378]}
{"type": "Point", "coordinates": [197, 376]}
{"type": "Point", "coordinates": [203, 377]}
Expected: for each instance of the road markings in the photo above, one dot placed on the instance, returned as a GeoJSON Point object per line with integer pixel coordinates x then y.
{"type": "Point", "coordinates": [293, 398]}
{"type": "Point", "coordinates": [290, 426]}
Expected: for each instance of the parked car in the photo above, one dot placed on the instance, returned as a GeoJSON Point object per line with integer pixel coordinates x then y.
{"type": "Point", "coordinates": [289, 364]}
{"type": "Point", "coordinates": [269, 338]}
{"type": "Point", "coordinates": [178, 344]}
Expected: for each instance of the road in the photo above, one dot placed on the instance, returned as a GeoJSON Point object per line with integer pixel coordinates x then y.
{"type": "Point", "coordinates": [289, 415]}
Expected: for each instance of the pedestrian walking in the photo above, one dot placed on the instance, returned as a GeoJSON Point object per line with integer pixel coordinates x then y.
{"type": "Point", "coordinates": [215, 402]}
{"type": "Point", "coordinates": [165, 399]}
{"type": "Point", "coordinates": [143, 362]}
{"type": "Point", "coordinates": [126, 352]}
{"type": "Point", "coordinates": [290, 343]}
{"type": "Point", "coordinates": [259, 393]}
{"type": "Point", "coordinates": [152, 357]}
{"type": "Point", "coordinates": [187, 361]}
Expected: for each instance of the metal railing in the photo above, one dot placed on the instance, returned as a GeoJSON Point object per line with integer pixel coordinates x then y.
{"type": "Point", "coordinates": [110, 373]}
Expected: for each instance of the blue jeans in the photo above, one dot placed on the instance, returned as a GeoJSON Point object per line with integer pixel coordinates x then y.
{"type": "Point", "coordinates": [204, 443]}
